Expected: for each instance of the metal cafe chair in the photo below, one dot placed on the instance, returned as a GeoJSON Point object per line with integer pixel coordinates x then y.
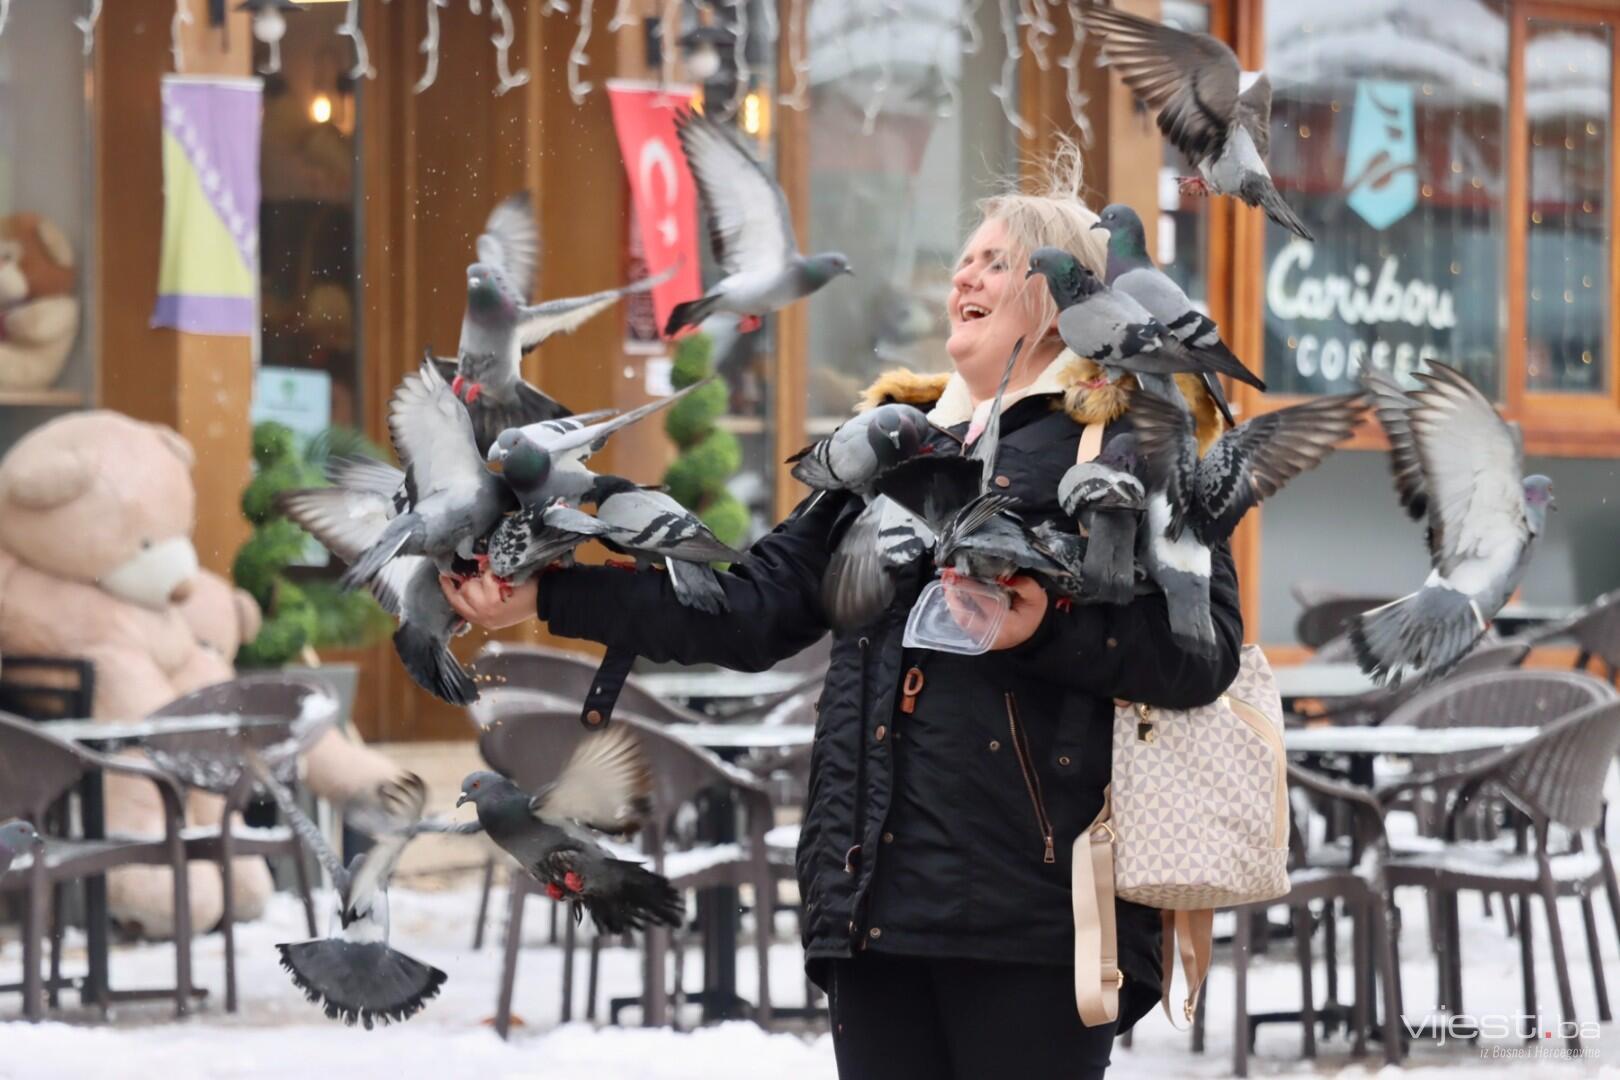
{"type": "Point", "coordinates": [1596, 630]}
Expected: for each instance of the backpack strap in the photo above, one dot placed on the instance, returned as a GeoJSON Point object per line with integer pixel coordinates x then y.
{"type": "Point", "coordinates": [1091, 438]}
{"type": "Point", "coordinates": [1188, 933]}
{"type": "Point", "coordinates": [1097, 978]}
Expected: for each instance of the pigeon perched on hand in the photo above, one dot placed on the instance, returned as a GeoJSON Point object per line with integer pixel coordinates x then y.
{"type": "Point", "coordinates": [1195, 503]}
{"type": "Point", "coordinates": [1213, 111]}
{"type": "Point", "coordinates": [1115, 331]}
{"type": "Point", "coordinates": [1107, 499]}
{"type": "Point", "coordinates": [18, 838]}
{"type": "Point", "coordinates": [605, 788]}
{"type": "Point", "coordinates": [1458, 460]}
{"type": "Point", "coordinates": [750, 231]}
{"type": "Point", "coordinates": [454, 501]}
{"type": "Point", "coordinates": [353, 972]}
{"type": "Point", "coordinates": [852, 456]}
{"type": "Point", "coordinates": [1131, 271]}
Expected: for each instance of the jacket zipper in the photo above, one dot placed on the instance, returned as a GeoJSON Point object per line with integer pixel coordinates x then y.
{"type": "Point", "coordinates": [852, 855]}
{"type": "Point", "coordinates": [1032, 780]}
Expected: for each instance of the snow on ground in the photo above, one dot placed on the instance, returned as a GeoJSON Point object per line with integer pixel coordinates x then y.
{"type": "Point", "coordinates": [277, 1033]}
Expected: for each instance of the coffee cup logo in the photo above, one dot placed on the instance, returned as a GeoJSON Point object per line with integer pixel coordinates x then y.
{"type": "Point", "coordinates": [1380, 168]}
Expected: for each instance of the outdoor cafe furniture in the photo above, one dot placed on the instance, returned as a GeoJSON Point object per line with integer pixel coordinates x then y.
{"type": "Point", "coordinates": [1595, 629]}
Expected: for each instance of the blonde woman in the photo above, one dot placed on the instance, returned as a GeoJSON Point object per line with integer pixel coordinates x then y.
{"type": "Point", "coordinates": [946, 790]}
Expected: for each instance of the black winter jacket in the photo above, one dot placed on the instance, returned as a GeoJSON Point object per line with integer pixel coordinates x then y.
{"type": "Point", "coordinates": [938, 823]}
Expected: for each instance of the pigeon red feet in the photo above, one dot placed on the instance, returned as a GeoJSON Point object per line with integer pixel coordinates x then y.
{"type": "Point", "coordinates": [622, 564]}
{"type": "Point", "coordinates": [1192, 185]}
{"type": "Point", "coordinates": [573, 882]}
{"type": "Point", "coordinates": [1063, 603]}
{"type": "Point", "coordinates": [456, 384]}
{"type": "Point", "coordinates": [554, 890]}
{"type": "Point", "coordinates": [504, 587]}
{"type": "Point", "coordinates": [749, 323]}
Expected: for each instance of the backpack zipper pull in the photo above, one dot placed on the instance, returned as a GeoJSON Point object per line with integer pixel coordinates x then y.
{"type": "Point", "coordinates": [1050, 856]}
{"type": "Point", "coordinates": [909, 689]}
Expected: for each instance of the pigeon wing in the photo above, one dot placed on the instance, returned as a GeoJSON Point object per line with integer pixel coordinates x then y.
{"type": "Point", "coordinates": [1391, 405]}
{"type": "Point", "coordinates": [592, 437]}
{"type": "Point", "coordinates": [654, 521]}
{"type": "Point", "coordinates": [1191, 80]}
{"type": "Point", "coordinates": [1472, 465]}
{"type": "Point", "coordinates": [856, 587]}
{"type": "Point", "coordinates": [433, 435]}
{"type": "Point", "coordinates": [606, 784]}
{"type": "Point", "coordinates": [750, 229]}
{"type": "Point", "coordinates": [932, 487]}
{"type": "Point", "coordinates": [538, 322]}
{"type": "Point", "coordinates": [311, 836]}
{"type": "Point", "coordinates": [511, 241]}
{"type": "Point", "coordinates": [345, 521]}
{"type": "Point", "coordinates": [1254, 113]}
{"type": "Point", "coordinates": [402, 799]}
{"type": "Point", "coordinates": [988, 444]}
{"type": "Point", "coordinates": [1168, 443]}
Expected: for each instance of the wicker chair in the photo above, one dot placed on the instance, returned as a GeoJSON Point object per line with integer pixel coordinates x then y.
{"type": "Point", "coordinates": [1596, 630]}
{"type": "Point", "coordinates": [564, 677]}
{"type": "Point", "coordinates": [36, 769]}
{"type": "Point", "coordinates": [291, 713]}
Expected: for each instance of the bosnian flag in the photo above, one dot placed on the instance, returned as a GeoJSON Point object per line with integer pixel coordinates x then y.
{"type": "Point", "coordinates": [208, 275]}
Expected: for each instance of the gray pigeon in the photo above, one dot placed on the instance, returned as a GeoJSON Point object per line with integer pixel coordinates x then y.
{"type": "Point", "coordinates": [453, 500]}
{"type": "Point", "coordinates": [546, 461]}
{"type": "Point", "coordinates": [859, 582]}
{"type": "Point", "coordinates": [18, 838]}
{"type": "Point", "coordinates": [750, 231]}
{"type": "Point", "coordinates": [1215, 113]}
{"type": "Point", "coordinates": [651, 527]}
{"type": "Point", "coordinates": [1107, 499]}
{"type": "Point", "coordinates": [353, 973]}
{"type": "Point", "coordinates": [1132, 272]}
{"type": "Point", "coordinates": [1115, 331]}
{"type": "Point", "coordinates": [1195, 503]}
{"type": "Point", "coordinates": [851, 457]}
{"type": "Point", "coordinates": [1484, 518]}
{"type": "Point", "coordinates": [604, 787]}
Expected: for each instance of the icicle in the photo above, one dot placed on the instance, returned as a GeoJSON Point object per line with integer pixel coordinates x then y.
{"type": "Point", "coordinates": [622, 16]}
{"type": "Point", "coordinates": [503, 39]}
{"type": "Point", "coordinates": [1006, 91]}
{"type": "Point", "coordinates": [880, 88]}
{"type": "Point", "coordinates": [968, 20]}
{"type": "Point", "coordinates": [577, 57]}
{"type": "Point", "coordinates": [745, 73]}
{"type": "Point", "coordinates": [1070, 63]}
{"type": "Point", "coordinates": [475, 6]}
{"type": "Point", "coordinates": [953, 89]}
{"type": "Point", "coordinates": [555, 7]}
{"type": "Point", "coordinates": [85, 23]}
{"type": "Point", "coordinates": [798, 30]}
{"type": "Point", "coordinates": [182, 17]}
{"type": "Point", "coordinates": [350, 29]}
{"type": "Point", "coordinates": [772, 30]}
{"type": "Point", "coordinates": [1032, 13]}
{"type": "Point", "coordinates": [5, 13]}
{"type": "Point", "coordinates": [669, 18]}
{"type": "Point", "coordinates": [430, 47]}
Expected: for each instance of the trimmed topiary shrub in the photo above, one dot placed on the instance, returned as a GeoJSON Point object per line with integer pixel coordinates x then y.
{"type": "Point", "coordinates": [708, 457]}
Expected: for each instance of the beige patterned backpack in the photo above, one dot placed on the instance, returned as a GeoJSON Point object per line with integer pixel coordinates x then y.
{"type": "Point", "coordinates": [1196, 818]}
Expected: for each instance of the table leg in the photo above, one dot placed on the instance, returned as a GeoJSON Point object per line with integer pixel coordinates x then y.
{"type": "Point", "coordinates": [93, 812]}
{"type": "Point", "coordinates": [718, 920]}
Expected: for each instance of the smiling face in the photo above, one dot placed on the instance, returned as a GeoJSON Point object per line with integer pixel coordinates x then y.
{"type": "Point", "coordinates": [990, 307]}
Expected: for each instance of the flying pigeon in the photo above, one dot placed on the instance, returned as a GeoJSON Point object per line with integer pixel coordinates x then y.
{"type": "Point", "coordinates": [1195, 503]}
{"type": "Point", "coordinates": [1113, 329]}
{"type": "Point", "coordinates": [348, 518]}
{"type": "Point", "coordinates": [859, 582]}
{"type": "Point", "coordinates": [605, 787]}
{"type": "Point", "coordinates": [546, 461]}
{"type": "Point", "coordinates": [1107, 499]}
{"type": "Point", "coordinates": [750, 231]}
{"type": "Point", "coordinates": [1457, 459]}
{"type": "Point", "coordinates": [1131, 271]}
{"type": "Point", "coordinates": [454, 501]}
{"type": "Point", "coordinates": [18, 838]}
{"type": "Point", "coordinates": [1215, 113]}
{"type": "Point", "coordinates": [353, 972]}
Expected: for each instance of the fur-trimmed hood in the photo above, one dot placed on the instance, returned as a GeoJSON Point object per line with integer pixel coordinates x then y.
{"type": "Point", "coordinates": [1073, 381]}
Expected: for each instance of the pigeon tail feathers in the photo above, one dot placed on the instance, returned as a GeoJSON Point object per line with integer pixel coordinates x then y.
{"type": "Point", "coordinates": [365, 982]}
{"type": "Point", "coordinates": [432, 666]}
{"type": "Point", "coordinates": [1258, 190]}
{"type": "Point", "coordinates": [696, 586]}
{"type": "Point", "coordinates": [1427, 631]}
{"type": "Point", "coordinates": [632, 897]}
{"type": "Point", "coordinates": [690, 313]}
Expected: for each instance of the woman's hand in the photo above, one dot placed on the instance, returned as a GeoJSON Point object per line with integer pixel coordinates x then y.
{"type": "Point", "coordinates": [1027, 608]}
{"type": "Point", "coordinates": [488, 602]}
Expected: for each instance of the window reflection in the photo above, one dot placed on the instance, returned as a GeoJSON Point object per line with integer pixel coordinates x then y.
{"type": "Point", "coordinates": [1388, 139]}
{"type": "Point", "coordinates": [1183, 236]}
{"type": "Point", "coordinates": [1566, 70]}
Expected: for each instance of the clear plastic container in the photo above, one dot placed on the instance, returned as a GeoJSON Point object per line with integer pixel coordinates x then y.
{"type": "Point", "coordinates": [957, 616]}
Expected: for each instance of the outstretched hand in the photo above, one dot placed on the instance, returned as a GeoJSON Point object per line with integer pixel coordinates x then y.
{"type": "Point", "coordinates": [1028, 601]}
{"type": "Point", "coordinates": [488, 602]}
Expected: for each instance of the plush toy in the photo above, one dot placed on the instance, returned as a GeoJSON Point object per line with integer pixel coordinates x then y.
{"type": "Point", "coordinates": [96, 561]}
{"type": "Point", "coordinates": [39, 314]}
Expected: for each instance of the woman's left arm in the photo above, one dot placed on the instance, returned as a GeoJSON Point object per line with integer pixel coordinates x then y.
{"type": "Point", "coordinates": [1126, 651]}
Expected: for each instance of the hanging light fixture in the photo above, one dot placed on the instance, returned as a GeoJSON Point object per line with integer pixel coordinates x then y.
{"type": "Point", "coordinates": [706, 50]}
{"type": "Point", "coordinates": [270, 26]}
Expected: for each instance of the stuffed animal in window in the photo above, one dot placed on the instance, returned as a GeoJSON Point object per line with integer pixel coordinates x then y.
{"type": "Point", "coordinates": [39, 313]}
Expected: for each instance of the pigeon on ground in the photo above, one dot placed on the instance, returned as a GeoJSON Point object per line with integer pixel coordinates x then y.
{"type": "Point", "coordinates": [1114, 330]}
{"type": "Point", "coordinates": [750, 231]}
{"type": "Point", "coordinates": [1131, 271]}
{"type": "Point", "coordinates": [1458, 460]}
{"type": "Point", "coordinates": [605, 787]}
{"type": "Point", "coordinates": [353, 973]}
{"type": "Point", "coordinates": [1107, 499]}
{"type": "Point", "coordinates": [454, 501]}
{"type": "Point", "coordinates": [1215, 113]}
{"type": "Point", "coordinates": [1195, 503]}
{"type": "Point", "coordinates": [18, 838]}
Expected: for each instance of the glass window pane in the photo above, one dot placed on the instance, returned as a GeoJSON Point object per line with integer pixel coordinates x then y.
{"type": "Point", "coordinates": [897, 199]}
{"type": "Point", "coordinates": [1566, 97]}
{"type": "Point", "coordinates": [1183, 239]}
{"type": "Point", "coordinates": [1388, 140]}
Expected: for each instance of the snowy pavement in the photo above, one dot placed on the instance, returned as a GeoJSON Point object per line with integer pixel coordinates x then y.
{"type": "Point", "coordinates": [277, 1033]}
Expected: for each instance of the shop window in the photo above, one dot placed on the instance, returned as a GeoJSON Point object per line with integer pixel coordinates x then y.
{"type": "Point", "coordinates": [1182, 244]}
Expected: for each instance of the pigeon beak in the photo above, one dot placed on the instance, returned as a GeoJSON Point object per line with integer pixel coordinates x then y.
{"type": "Point", "coordinates": [850, 270]}
{"type": "Point", "coordinates": [1031, 272]}
{"type": "Point", "coordinates": [1095, 225]}
{"type": "Point", "coordinates": [497, 465]}
{"type": "Point", "coordinates": [462, 801]}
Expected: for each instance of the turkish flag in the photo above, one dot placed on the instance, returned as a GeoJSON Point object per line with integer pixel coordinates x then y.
{"type": "Point", "coordinates": [661, 186]}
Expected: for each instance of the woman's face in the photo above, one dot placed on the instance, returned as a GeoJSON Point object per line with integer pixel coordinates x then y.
{"type": "Point", "coordinates": [989, 310]}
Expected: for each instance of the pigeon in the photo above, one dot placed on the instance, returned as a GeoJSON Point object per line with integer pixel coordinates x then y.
{"type": "Point", "coordinates": [1194, 504]}
{"type": "Point", "coordinates": [1456, 458]}
{"type": "Point", "coordinates": [453, 500]}
{"type": "Point", "coordinates": [1114, 330]}
{"type": "Point", "coordinates": [353, 972]}
{"type": "Point", "coordinates": [1107, 499]}
{"type": "Point", "coordinates": [1215, 113]}
{"type": "Point", "coordinates": [18, 838]}
{"type": "Point", "coordinates": [1131, 271]}
{"type": "Point", "coordinates": [750, 231]}
{"type": "Point", "coordinates": [851, 457]}
{"type": "Point", "coordinates": [546, 461]}
{"type": "Point", "coordinates": [859, 582]}
{"type": "Point", "coordinates": [604, 787]}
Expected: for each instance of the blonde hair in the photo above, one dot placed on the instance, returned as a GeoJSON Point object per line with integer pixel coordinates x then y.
{"type": "Point", "coordinates": [1053, 214]}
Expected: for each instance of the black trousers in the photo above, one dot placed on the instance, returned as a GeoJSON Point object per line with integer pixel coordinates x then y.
{"type": "Point", "coordinates": [917, 1018]}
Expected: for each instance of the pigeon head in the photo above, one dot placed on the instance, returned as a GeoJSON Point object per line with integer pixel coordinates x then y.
{"type": "Point", "coordinates": [480, 787]}
{"type": "Point", "coordinates": [20, 836]}
{"type": "Point", "coordinates": [1538, 499]}
{"type": "Point", "coordinates": [1067, 278]}
{"type": "Point", "coordinates": [826, 266]}
{"type": "Point", "coordinates": [1126, 236]}
{"type": "Point", "coordinates": [526, 466]}
{"type": "Point", "coordinates": [896, 433]}
{"type": "Point", "coordinates": [487, 294]}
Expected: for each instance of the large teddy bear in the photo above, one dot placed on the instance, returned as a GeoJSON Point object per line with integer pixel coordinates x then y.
{"type": "Point", "coordinates": [96, 515]}
{"type": "Point", "coordinates": [39, 314]}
